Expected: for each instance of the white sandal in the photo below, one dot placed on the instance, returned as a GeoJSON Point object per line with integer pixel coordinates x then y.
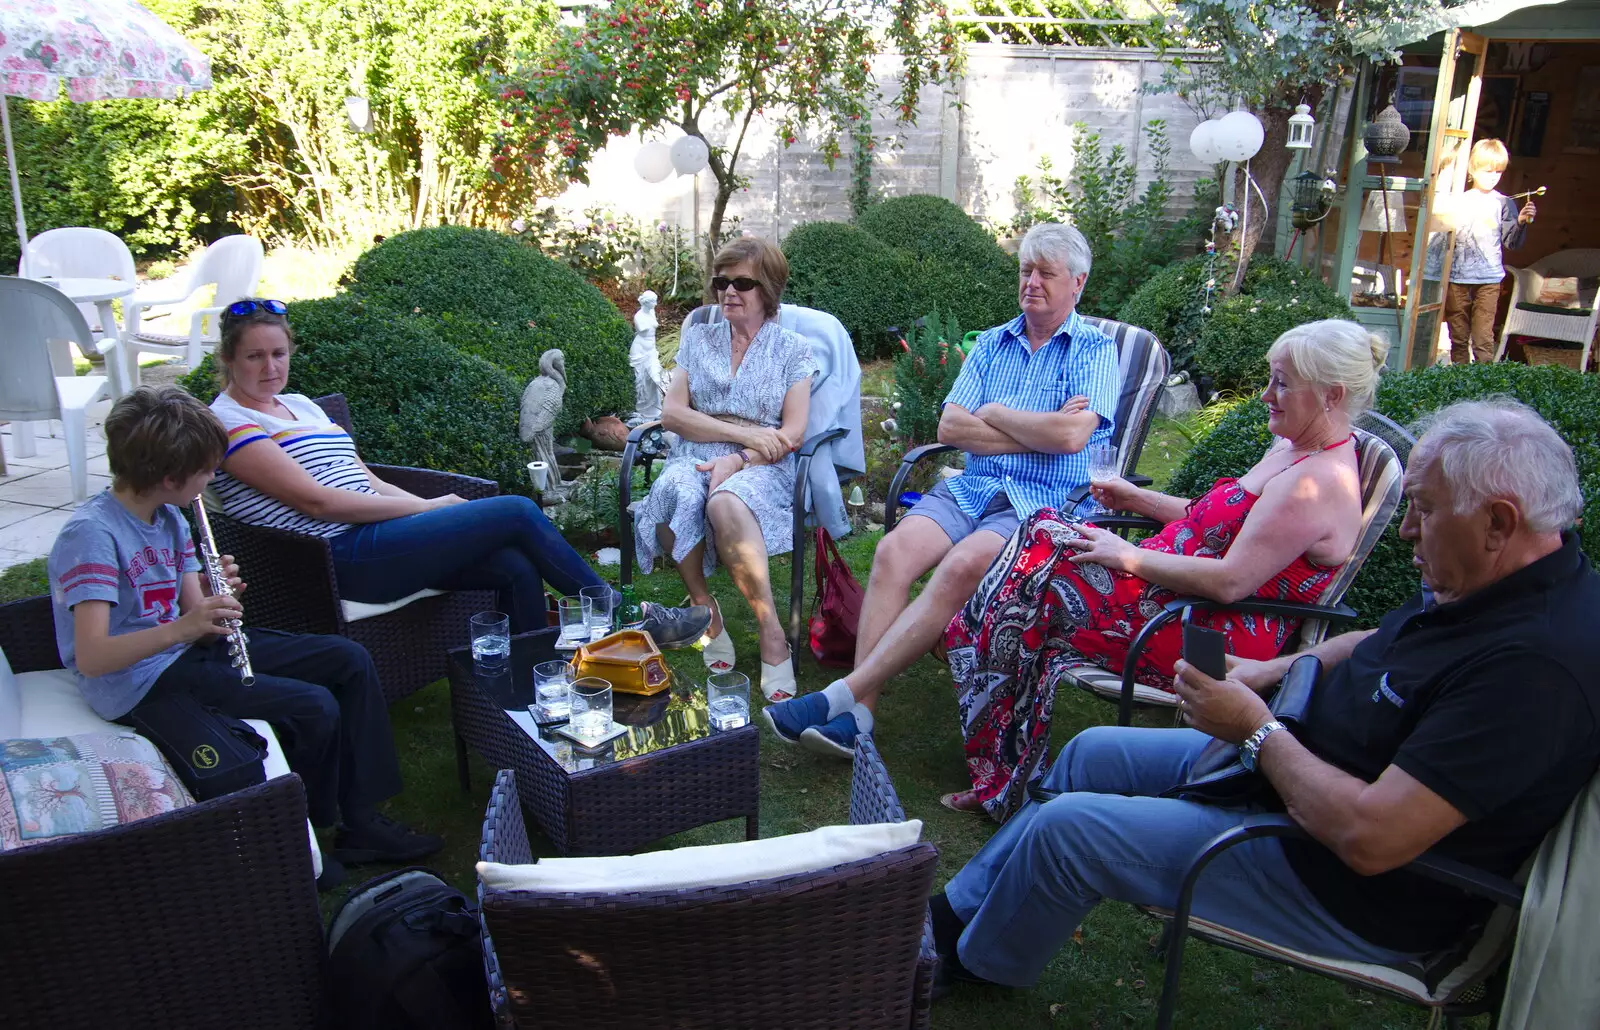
{"type": "Point", "coordinates": [777, 681]}
{"type": "Point", "coordinates": [718, 651]}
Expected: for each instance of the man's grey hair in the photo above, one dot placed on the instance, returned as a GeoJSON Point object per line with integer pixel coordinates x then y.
{"type": "Point", "coordinates": [1057, 244]}
{"type": "Point", "coordinates": [1501, 448]}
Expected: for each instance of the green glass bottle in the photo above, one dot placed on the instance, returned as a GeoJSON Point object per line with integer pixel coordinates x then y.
{"type": "Point", "coordinates": [630, 613]}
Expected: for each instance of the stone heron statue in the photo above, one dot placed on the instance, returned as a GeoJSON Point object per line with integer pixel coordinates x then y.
{"type": "Point", "coordinates": [541, 406]}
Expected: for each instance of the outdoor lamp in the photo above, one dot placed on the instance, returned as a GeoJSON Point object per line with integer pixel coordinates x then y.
{"type": "Point", "coordinates": [358, 110]}
{"type": "Point", "coordinates": [1385, 212]}
{"type": "Point", "coordinates": [653, 162]}
{"type": "Point", "coordinates": [1302, 127]}
{"type": "Point", "coordinates": [1386, 136]}
{"type": "Point", "coordinates": [689, 155]}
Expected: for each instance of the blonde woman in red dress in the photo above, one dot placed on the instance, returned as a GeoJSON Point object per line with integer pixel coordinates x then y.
{"type": "Point", "coordinates": [1065, 595]}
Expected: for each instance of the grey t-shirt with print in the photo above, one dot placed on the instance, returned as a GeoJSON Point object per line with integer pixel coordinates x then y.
{"type": "Point", "coordinates": [1486, 224]}
{"type": "Point", "coordinates": [106, 553]}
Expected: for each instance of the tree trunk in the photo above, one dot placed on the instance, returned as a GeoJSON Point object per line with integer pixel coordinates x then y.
{"type": "Point", "coordinates": [719, 207]}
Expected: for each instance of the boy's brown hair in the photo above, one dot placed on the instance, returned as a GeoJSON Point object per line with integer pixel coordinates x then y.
{"type": "Point", "coordinates": [158, 433]}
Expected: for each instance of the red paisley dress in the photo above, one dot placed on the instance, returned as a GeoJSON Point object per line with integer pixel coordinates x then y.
{"type": "Point", "coordinates": [1037, 615]}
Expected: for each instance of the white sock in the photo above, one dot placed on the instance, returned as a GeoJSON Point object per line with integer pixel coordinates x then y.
{"type": "Point", "coordinates": [863, 716]}
{"type": "Point", "coordinates": [840, 698]}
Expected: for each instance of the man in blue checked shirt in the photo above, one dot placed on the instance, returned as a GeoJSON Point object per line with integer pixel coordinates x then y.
{"type": "Point", "coordinates": [1031, 397]}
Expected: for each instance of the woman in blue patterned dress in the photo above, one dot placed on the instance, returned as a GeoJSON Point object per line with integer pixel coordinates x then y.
{"type": "Point", "coordinates": [739, 401]}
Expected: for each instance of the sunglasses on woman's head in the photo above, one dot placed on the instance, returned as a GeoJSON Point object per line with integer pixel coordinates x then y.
{"type": "Point", "coordinates": [241, 308]}
{"type": "Point", "coordinates": [744, 284]}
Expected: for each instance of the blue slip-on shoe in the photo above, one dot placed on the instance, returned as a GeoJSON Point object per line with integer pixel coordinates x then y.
{"type": "Point", "coordinates": [836, 737]}
{"type": "Point", "coordinates": [789, 719]}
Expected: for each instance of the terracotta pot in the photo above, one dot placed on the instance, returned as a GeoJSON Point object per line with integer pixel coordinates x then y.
{"type": "Point", "coordinates": [607, 432]}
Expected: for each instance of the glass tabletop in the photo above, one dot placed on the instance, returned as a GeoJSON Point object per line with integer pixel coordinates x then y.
{"type": "Point", "coordinates": [654, 722]}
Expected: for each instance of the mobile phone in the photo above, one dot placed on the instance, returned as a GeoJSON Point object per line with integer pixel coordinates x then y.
{"type": "Point", "coordinates": [1204, 648]}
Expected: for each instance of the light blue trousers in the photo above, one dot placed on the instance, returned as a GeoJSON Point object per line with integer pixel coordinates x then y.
{"type": "Point", "coordinates": [1108, 836]}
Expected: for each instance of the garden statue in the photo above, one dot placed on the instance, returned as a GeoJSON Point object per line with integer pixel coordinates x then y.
{"type": "Point", "coordinates": [647, 374]}
{"type": "Point", "coordinates": [541, 406]}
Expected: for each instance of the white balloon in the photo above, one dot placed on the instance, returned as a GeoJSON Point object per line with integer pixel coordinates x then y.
{"type": "Point", "coordinates": [1241, 135]}
{"type": "Point", "coordinates": [689, 155]}
{"type": "Point", "coordinates": [653, 162]}
{"type": "Point", "coordinates": [1204, 141]}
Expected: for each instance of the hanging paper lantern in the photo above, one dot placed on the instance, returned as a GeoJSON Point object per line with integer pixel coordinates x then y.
{"type": "Point", "coordinates": [1240, 135]}
{"type": "Point", "coordinates": [1203, 142]}
{"type": "Point", "coordinates": [689, 155]}
{"type": "Point", "coordinates": [653, 162]}
{"type": "Point", "coordinates": [1302, 128]}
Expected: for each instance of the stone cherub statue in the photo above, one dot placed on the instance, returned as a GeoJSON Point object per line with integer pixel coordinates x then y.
{"type": "Point", "coordinates": [541, 405]}
{"type": "Point", "coordinates": [647, 373]}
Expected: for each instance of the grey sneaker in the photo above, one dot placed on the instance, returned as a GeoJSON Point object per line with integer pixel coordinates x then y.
{"type": "Point", "coordinates": [675, 627]}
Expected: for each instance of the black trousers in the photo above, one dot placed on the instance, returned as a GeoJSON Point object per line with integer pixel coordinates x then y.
{"type": "Point", "coordinates": [321, 696]}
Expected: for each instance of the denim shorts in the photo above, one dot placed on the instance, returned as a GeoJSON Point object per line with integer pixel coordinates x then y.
{"type": "Point", "coordinates": [939, 504]}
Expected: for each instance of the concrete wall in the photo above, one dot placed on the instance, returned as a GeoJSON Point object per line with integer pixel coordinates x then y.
{"type": "Point", "coordinates": [1014, 105]}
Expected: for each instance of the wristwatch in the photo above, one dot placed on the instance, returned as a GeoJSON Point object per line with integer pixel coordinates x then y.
{"type": "Point", "coordinates": [1252, 745]}
{"type": "Point", "coordinates": [744, 456]}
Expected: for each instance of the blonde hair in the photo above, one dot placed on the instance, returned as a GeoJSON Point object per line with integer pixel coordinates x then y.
{"type": "Point", "coordinates": [1487, 155]}
{"type": "Point", "coordinates": [1334, 352]}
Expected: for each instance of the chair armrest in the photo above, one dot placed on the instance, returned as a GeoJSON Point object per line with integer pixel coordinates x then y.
{"type": "Point", "coordinates": [197, 321]}
{"type": "Point", "coordinates": [433, 483]}
{"type": "Point", "coordinates": [28, 635]}
{"type": "Point", "coordinates": [809, 448]}
{"type": "Point", "coordinates": [891, 504]}
{"type": "Point", "coordinates": [872, 795]}
{"type": "Point", "coordinates": [505, 835]}
{"type": "Point", "coordinates": [1138, 480]}
{"type": "Point", "coordinates": [289, 577]}
{"type": "Point", "coordinates": [1120, 520]}
{"type": "Point", "coordinates": [630, 457]}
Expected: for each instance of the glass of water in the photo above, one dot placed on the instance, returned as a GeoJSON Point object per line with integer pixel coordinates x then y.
{"type": "Point", "coordinates": [1103, 468]}
{"type": "Point", "coordinates": [491, 638]}
{"type": "Point", "coordinates": [728, 700]}
{"type": "Point", "coordinates": [574, 615]}
{"type": "Point", "coordinates": [552, 684]}
{"type": "Point", "coordinates": [599, 599]}
{"type": "Point", "coordinates": [591, 707]}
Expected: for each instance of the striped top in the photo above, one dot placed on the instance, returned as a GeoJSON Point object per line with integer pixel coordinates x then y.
{"type": "Point", "coordinates": [315, 442]}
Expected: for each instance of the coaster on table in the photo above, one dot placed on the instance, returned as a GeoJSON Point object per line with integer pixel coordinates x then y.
{"type": "Point", "coordinates": [591, 743]}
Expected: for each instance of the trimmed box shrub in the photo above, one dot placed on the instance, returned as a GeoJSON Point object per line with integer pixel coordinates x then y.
{"type": "Point", "coordinates": [414, 400]}
{"type": "Point", "coordinates": [853, 276]}
{"type": "Point", "coordinates": [486, 294]}
{"type": "Point", "coordinates": [1566, 399]}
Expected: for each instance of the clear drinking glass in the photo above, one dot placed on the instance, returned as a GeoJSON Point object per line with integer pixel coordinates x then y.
{"type": "Point", "coordinates": [591, 707]}
{"type": "Point", "coordinates": [599, 599]}
{"type": "Point", "coordinates": [1103, 468]}
{"type": "Point", "coordinates": [491, 638]}
{"type": "Point", "coordinates": [552, 685]}
{"type": "Point", "coordinates": [728, 700]}
{"type": "Point", "coordinates": [574, 613]}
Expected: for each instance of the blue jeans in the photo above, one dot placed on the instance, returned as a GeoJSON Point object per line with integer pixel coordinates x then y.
{"type": "Point", "coordinates": [497, 543]}
{"type": "Point", "coordinates": [1108, 836]}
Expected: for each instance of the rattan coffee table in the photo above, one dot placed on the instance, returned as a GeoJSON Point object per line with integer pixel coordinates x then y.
{"type": "Point", "coordinates": [670, 772]}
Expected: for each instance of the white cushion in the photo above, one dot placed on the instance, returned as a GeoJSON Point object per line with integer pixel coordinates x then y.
{"type": "Point", "coordinates": [710, 865]}
{"type": "Point", "coordinates": [355, 611]}
{"type": "Point", "coordinates": [1109, 685]}
{"type": "Point", "coordinates": [10, 701]}
{"type": "Point", "coordinates": [53, 707]}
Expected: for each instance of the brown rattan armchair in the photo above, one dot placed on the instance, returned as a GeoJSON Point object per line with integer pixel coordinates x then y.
{"type": "Point", "coordinates": [842, 947]}
{"type": "Point", "coordinates": [293, 588]}
{"type": "Point", "coordinates": [202, 917]}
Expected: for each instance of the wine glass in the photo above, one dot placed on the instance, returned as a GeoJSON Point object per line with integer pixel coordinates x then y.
{"type": "Point", "coordinates": [1103, 468]}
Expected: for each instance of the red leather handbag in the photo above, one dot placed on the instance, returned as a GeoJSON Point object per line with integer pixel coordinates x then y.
{"type": "Point", "coordinates": [836, 613]}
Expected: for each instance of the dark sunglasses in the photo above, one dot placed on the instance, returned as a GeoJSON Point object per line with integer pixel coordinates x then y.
{"type": "Point", "coordinates": [241, 308]}
{"type": "Point", "coordinates": [744, 284]}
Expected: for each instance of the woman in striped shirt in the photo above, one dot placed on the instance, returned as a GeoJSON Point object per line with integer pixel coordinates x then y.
{"type": "Point", "coordinates": [386, 543]}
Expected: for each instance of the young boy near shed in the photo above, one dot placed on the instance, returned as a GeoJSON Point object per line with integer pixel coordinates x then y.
{"type": "Point", "coordinates": [1489, 222]}
{"type": "Point", "coordinates": [134, 624]}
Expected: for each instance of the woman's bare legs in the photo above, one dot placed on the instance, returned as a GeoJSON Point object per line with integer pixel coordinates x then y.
{"type": "Point", "coordinates": [692, 571]}
{"type": "Point", "coordinates": [744, 551]}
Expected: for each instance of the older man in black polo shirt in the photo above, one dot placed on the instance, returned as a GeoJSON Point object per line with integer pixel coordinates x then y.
{"type": "Point", "coordinates": [1465, 723]}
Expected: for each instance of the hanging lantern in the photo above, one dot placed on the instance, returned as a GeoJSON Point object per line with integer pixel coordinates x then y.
{"type": "Point", "coordinates": [1386, 136]}
{"type": "Point", "coordinates": [1302, 127]}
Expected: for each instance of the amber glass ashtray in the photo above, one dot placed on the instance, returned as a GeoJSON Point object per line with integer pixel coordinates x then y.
{"type": "Point", "coordinates": [628, 659]}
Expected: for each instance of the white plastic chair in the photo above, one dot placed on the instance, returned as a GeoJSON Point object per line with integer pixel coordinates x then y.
{"type": "Point", "coordinates": [1527, 317]}
{"type": "Point", "coordinates": [36, 376]}
{"type": "Point", "coordinates": [75, 253]}
{"type": "Point", "coordinates": [232, 264]}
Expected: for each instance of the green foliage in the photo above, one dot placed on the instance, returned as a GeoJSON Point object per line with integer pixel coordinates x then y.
{"type": "Point", "coordinates": [923, 376]}
{"type": "Point", "coordinates": [595, 245]}
{"type": "Point", "coordinates": [486, 294]}
{"type": "Point", "coordinates": [413, 400]}
{"type": "Point", "coordinates": [854, 276]}
{"type": "Point", "coordinates": [1566, 399]}
{"type": "Point", "coordinates": [1150, 32]}
{"type": "Point", "coordinates": [1170, 304]}
{"type": "Point", "coordinates": [862, 193]}
{"type": "Point", "coordinates": [28, 579]}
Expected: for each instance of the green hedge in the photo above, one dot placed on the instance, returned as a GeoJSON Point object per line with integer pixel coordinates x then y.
{"type": "Point", "coordinates": [854, 276]}
{"type": "Point", "coordinates": [1230, 342]}
{"type": "Point", "coordinates": [413, 400]}
{"type": "Point", "coordinates": [1566, 399]}
{"type": "Point", "coordinates": [486, 294]}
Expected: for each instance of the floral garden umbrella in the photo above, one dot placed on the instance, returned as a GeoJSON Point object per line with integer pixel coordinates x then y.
{"type": "Point", "coordinates": [100, 49]}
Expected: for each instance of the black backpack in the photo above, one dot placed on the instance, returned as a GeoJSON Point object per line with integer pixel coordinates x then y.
{"type": "Point", "coordinates": [405, 953]}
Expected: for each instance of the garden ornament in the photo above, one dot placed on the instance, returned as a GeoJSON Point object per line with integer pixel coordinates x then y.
{"type": "Point", "coordinates": [690, 155]}
{"type": "Point", "coordinates": [646, 362]}
{"type": "Point", "coordinates": [541, 406]}
{"type": "Point", "coordinates": [1204, 143]}
{"type": "Point", "coordinates": [1302, 128]}
{"type": "Point", "coordinates": [653, 162]}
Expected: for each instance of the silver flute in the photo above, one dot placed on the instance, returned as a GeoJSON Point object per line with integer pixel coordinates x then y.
{"type": "Point", "coordinates": [217, 581]}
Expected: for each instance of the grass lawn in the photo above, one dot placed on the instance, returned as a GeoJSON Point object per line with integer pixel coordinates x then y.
{"type": "Point", "coordinates": [1107, 976]}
